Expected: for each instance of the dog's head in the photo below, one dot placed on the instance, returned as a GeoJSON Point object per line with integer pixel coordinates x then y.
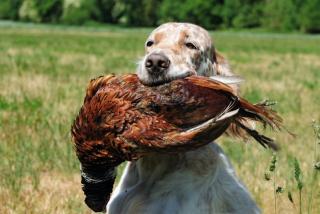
{"type": "Point", "coordinates": [177, 50]}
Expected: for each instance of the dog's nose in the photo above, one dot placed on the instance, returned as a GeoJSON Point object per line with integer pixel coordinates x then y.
{"type": "Point", "coordinates": [156, 63]}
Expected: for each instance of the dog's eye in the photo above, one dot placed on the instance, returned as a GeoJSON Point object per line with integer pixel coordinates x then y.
{"type": "Point", "coordinates": [149, 43]}
{"type": "Point", "coordinates": [191, 46]}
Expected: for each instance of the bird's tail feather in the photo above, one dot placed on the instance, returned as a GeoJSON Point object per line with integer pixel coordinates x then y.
{"type": "Point", "coordinates": [97, 184]}
{"type": "Point", "coordinates": [265, 141]}
{"type": "Point", "coordinates": [261, 112]}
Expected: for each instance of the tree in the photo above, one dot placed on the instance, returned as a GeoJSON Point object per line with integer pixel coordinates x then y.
{"type": "Point", "coordinates": [248, 14]}
{"type": "Point", "coordinates": [41, 10]}
{"type": "Point", "coordinates": [283, 15]}
{"type": "Point", "coordinates": [205, 13]}
{"type": "Point", "coordinates": [9, 9]}
{"type": "Point", "coordinates": [49, 10]}
{"type": "Point", "coordinates": [81, 11]}
{"type": "Point", "coordinates": [310, 16]}
{"type": "Point", "coordinates": [105, 8]}
{"type": "Point", "coordinates": [140, 12]}
{"type": "Point", "coordinates": [29, 12]}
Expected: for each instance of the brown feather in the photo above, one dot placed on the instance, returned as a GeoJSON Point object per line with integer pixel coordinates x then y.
{"type": "Point", "coordinates": [260, 112]}
{"type": "Point", "coordinates": [122, 119]}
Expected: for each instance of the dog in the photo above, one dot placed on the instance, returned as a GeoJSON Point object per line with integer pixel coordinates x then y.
{"type": "Point", "coordinates": [193, 182]}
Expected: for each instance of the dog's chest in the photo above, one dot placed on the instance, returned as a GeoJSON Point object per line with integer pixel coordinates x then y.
{"type": "Point", "coordinates": [197, 182]}
{"type": "Point", "coordinates": [181, 184]}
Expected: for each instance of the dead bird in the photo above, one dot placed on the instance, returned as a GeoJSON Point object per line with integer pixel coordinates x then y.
{"type": "Point", "coordinates": [122, 119]}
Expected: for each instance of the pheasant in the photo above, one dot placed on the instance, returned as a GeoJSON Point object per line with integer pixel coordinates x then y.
{"type": "Point", "coordinates": [122, 120]}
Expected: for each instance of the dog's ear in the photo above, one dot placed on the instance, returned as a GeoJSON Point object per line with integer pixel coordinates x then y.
{"type": "Point", "coordinates": [221, 65]}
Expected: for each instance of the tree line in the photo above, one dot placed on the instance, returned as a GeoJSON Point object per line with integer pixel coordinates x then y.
{"type": "Point", "coordinates": [279, 15]}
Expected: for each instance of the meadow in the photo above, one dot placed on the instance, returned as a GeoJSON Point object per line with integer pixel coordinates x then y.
{"type": "Point", "coordinates": [44, 71]}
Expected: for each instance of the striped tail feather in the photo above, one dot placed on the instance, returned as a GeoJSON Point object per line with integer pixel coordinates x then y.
{"type": "Point", "coordinates": [264, 141]}
{"type": "Point", "coordinates": [260, 112]}
{"type": "Point", "coordinates": [97, 184]}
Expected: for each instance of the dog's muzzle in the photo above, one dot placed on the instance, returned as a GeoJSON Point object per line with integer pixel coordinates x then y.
{"type": "Point", "coordinates": [157, 64]}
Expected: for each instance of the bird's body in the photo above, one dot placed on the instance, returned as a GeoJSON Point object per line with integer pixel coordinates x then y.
{"type": "Point", "coordinates": [122, 119]}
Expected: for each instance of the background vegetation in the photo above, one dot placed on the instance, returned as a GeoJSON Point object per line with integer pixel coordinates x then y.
{"type": "Point", "coordinates": [284, 15]}
{"type": "Point", "coordinates": [43, 74]}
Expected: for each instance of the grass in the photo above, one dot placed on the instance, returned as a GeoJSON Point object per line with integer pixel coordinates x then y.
{"type": "Point", "coordinates": [43, 74]}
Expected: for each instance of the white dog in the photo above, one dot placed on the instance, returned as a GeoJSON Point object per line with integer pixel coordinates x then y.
{"type": "Point", "coordinates": [200, 181]}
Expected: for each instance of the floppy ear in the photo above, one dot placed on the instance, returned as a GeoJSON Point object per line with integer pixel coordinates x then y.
{"type": "Point", "coordinates": [221, 65]}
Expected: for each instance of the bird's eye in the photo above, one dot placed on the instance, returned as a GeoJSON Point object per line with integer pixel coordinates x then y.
{"type": "Point", "coordinates": [149, 43]}
{"type": "Point", "coordinates": [191, 46]}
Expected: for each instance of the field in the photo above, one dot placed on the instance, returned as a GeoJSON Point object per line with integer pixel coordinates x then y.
{"type": "Point", "coordinates": [43, 74]}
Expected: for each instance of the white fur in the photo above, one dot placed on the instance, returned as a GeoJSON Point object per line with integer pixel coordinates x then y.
{"type": "Point", "coordinates": [195, 182]}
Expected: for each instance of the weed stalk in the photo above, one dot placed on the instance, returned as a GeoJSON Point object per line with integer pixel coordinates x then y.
{"type": "Point", "coordinates": [272, 169]}
{"type": "Point", "coordinates": [316, 162]}
{"type": "Point", "coordinates": [297, 176]}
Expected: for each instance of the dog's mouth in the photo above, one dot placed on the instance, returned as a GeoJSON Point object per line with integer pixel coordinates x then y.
{"type": "Point", "coordinates": [156, 80]}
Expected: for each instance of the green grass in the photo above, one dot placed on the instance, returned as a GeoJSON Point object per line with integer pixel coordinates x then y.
{"type": "Point", "coordinates": [43, 74]}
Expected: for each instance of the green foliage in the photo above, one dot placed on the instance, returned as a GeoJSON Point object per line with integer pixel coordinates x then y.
{"type": "Point", "coordinates": [290, 197]}
{"type": "Point", "coordinates": [5, 9]}
{"type": "Point", "coordinates": [279, 190]}
{"type": "Point", "coordinates": [242, 13]}
{"type": "Point", "coordinates": [49, 10]}
{"type": "Point", "coordinates": [41, 11]}
{"type": "Point", "coordinates": [284, 15]}
{"type": "Point", "coordinates": [273, 162]}
{"type": "Point", "coordinates": [79, 12]}
{"type": "Point", "coordinates": [9, 9]}
{"type": "Point", "coordinates": [316, 130]}
{"type": "Point", "coordinates": [267, 176]}
{"type": "Point", "coordinates": [106, 8]}
{"type": "Point", "coordinates": [29, 11]}
{"type": "Point", "coordinates": [140, 12]}
{"type": "Point", "coordinates": [205, 13]}
{"type": "Point", "coordinates": [298, 179]}
{"type": "Point", "coordinates": [310, 16]}
{"type": "Point", "coordinates": [298, 174]}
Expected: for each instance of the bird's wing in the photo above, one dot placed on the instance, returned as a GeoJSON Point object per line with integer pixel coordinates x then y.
{"type": "Point", "coordinates": [229, 80]}
{"type": "Point", "coordinates": [154, 134]}
{"type": "Point", "coordinates": [206, 82]}
{"type": "Point", "coordinates": [261, 112]}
